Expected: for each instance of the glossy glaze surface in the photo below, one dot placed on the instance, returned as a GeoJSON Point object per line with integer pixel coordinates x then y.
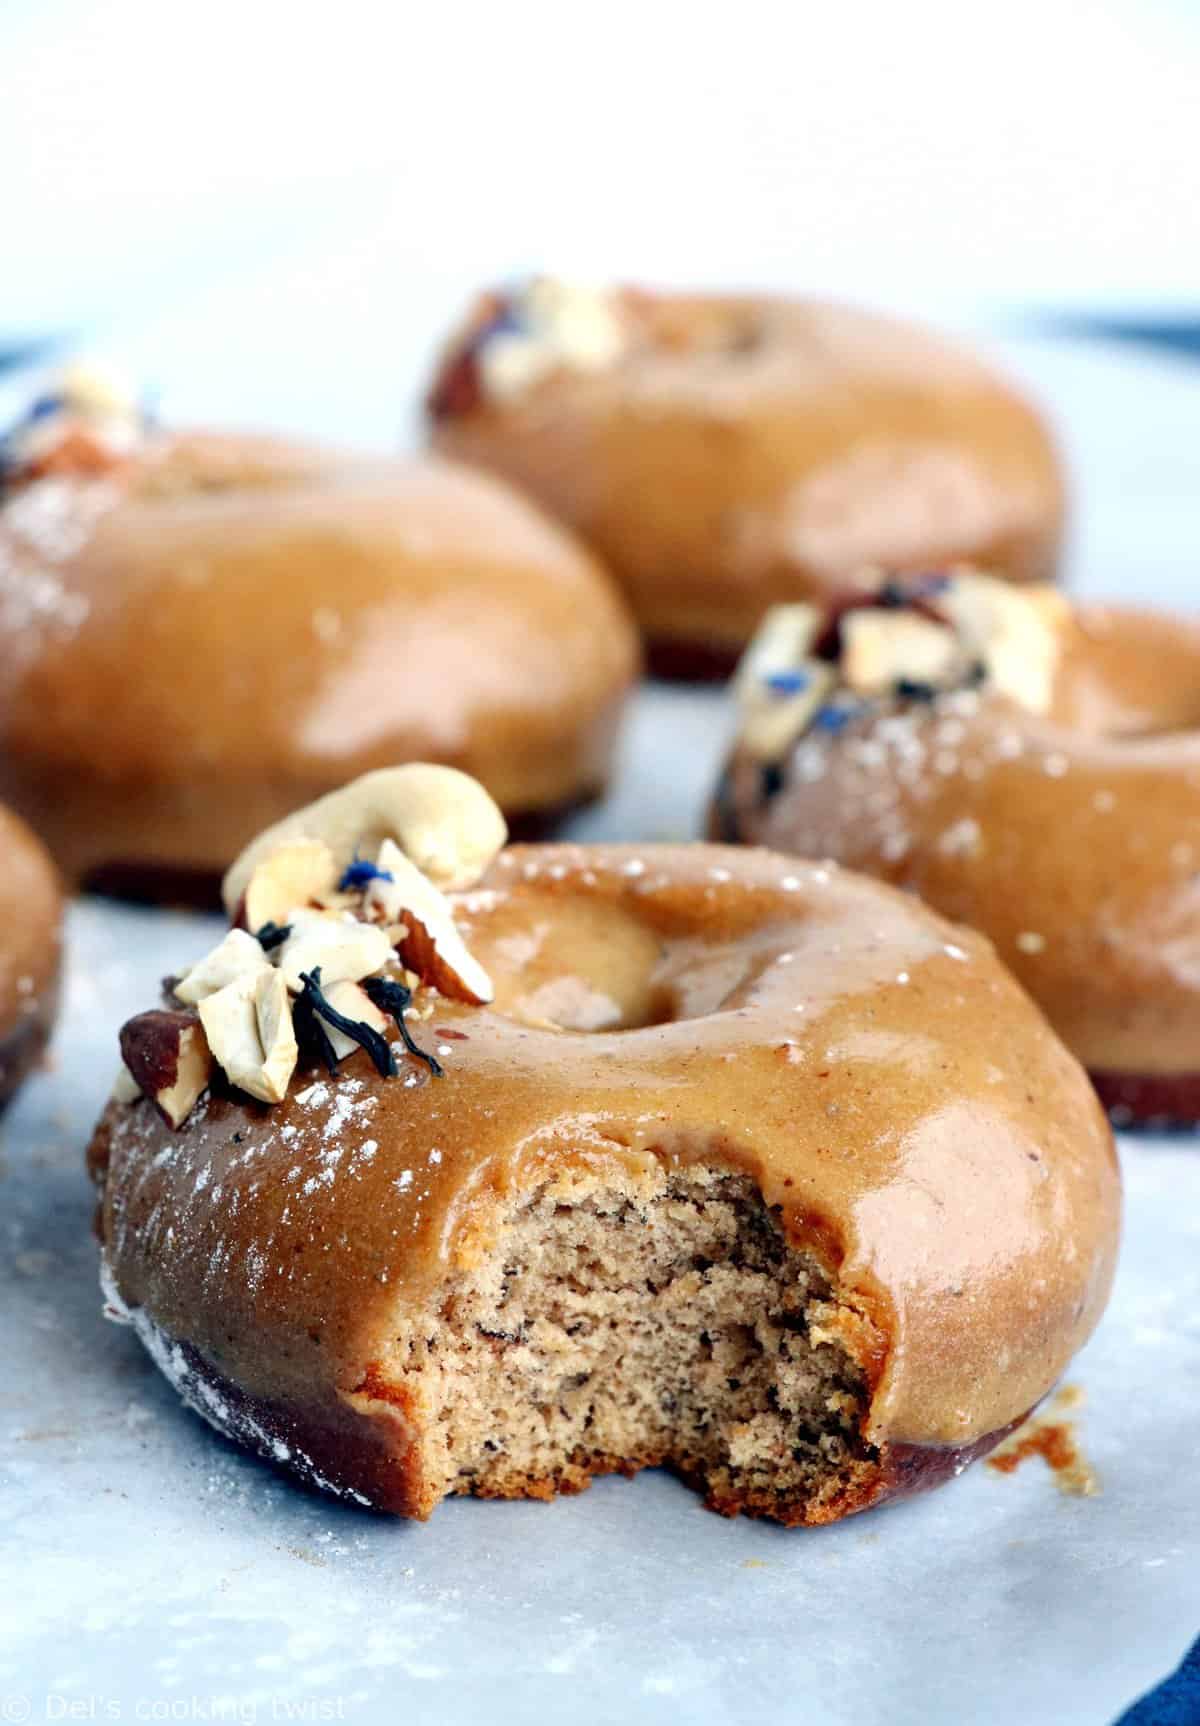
{"type": "Point", "coordinates": [30, 912]}
{"type": "Point", "coordinates": [1072, 840]}
{"type": "Point", "coordinates": [745, 452]}
{"type": "Point", "coordinates": [891, 1089]}
{"type": "Point", "coordinates": [205, 639]}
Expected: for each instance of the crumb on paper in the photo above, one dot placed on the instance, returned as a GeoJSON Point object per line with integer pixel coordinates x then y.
{"type": "Point", "coordinates": [1055, 1440]}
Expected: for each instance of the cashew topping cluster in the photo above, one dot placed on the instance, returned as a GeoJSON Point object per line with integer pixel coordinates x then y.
{"type": "Point", "coordinates": [334, 910]}
{"type": "Point", "coordinates": [86, 420]}
{"type": "Point", "coordinates": [902, 640]}
{"type": "Point", "coordinates": [517, 339]}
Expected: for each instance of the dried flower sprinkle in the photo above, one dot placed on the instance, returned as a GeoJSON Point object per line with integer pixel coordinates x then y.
{"type": "Point", "coordinates": [312, 1006]}
{"type": "Point", "coordinates": [395, 999]}
{"type": "Point", "coordinates": [360, 873]}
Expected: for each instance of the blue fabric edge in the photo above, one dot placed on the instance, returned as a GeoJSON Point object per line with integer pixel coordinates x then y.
{"type": "Point", "coordinates": [1174, 1702]}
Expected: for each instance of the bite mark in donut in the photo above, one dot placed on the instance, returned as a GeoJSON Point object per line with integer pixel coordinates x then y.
{"type": "Point", "coordinates": [675, 1390]}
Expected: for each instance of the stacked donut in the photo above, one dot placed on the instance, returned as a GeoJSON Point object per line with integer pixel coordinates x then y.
{"type": "Point", "coordinates": [695, 1155]}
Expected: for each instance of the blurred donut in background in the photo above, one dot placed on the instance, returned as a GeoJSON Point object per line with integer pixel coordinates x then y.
{"type": "Point", "coordinates": [1025, 766]}
{"type": "Point", "coordinates": [200, 630]}
{"type": "Point", "coordinates": [30, 939]}
{"type": "Point", "coordinates": [724, 454]}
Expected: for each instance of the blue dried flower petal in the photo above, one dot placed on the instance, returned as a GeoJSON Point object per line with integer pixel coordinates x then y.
{"type": "Point", "coordinates": [360, 873]}
{"type": "Point", "coordinates": [41, 408]}
{"type": "Point", "coordinates": [312, 1007]}
{"type": "Point", "coordinates": [787, 682]}
{"type": "Point", "coordinates": [832, 718]}
{"type": "Point", "coordinates": [507, 320]}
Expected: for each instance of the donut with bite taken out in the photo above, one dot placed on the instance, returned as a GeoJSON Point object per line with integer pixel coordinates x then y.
{"type": "Point", "coordinates": [608, 1158]}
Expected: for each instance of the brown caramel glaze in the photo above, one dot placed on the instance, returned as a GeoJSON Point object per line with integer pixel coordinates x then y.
{"type": "Point", "coordinates": [765, 450]}
{"type": "Point", "coordinates": [228, 627]}
{"type": "Point", "coordinates": [905, 1111]}
{"type": "Point", "coordinates": [1072, 840]}
{"type": "Point", "coordinates": [30, 945]}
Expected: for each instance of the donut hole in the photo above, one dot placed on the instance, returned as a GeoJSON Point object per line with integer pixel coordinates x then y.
{"type": "Point", "coordinates": [574, 1004]}
{"type": "Point", "coordinates": [631, 1321]}
{"type": "Point", "coordinates": [573, 964]}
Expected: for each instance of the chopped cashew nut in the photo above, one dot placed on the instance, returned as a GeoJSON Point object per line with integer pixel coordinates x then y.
{"type": "Point", "coordinates": [98, 391]}
{"type": "Point", "coordinates": [558, 325]}
{"type": "Point", "coordinates": [295, 873]}
{"type": "Point", "coordinates": [1016, 633]}
{"type": "Point", "coordinates": [782, 644]}
{"type": "Point", "coordinates": [273, 1014]}
{"type": "Point", "coordinates": [432, 945]}
{"type": "Point", "coordinates": [347, 998]}
{"type": "Point", "coordinates": [346, 949]}
{"type": "Point", "coordinates": [777, 687]}
{"type": "Point", "coordinates": [883, 648]}
{"type": "Point", "coordinates": [771, 721]}
{"type": "Point", "coordinates": [231, 1024]}
{"type": "Point", "coordinates": [441, 819]}
{"type": "Point", "coordinates": [237, 955]}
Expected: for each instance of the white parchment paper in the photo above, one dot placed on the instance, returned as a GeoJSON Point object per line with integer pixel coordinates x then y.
{"type": "Point", "coordinates": [149, 1571]}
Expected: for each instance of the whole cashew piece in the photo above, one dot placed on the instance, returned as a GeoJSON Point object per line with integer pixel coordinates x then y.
{"type": "Point", "coordinates": [443, 821]}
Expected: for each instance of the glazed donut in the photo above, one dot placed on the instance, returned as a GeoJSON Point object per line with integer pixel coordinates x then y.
{"type": "Point", "coordinates": [751, 1168]}
{"type": "Point", "coordinates": [30, 916]}
{"type": "Point", "coordinates": [725, 454]}
{"type": "Point", "coordinates": [213, 629]}
{"type": "Point", "coordinates": [1043, 786]}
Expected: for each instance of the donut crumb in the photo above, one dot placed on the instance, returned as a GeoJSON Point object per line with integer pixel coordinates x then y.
{"type": "Point", "coordinates": [1056, 1441]}
{"type": "Point", "coordinates": [663, 1320]}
